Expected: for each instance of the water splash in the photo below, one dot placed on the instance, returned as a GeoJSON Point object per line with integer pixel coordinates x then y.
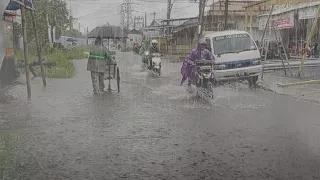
{"type": "Point", "coordinates": [231, 96]}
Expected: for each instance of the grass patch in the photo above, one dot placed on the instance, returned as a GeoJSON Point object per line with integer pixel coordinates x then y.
{"type": "Point", "coordinates": [64, 67]}
{"type": "Point", "coordinates": [8, 157]}
{"type": "Point", "coordinates": [77, 52]}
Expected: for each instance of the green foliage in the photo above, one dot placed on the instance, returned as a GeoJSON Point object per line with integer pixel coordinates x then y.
{"type": "Point", "coordinates": [18, 54]}
{"type": "Point", "coordinates": [58, 16]}
{"type": "Point", "coordinates": [64, 67]}
{"type": "Point", "coordinates": [72, 33]}
{"type": "Point", "coordinates": [8, 157]}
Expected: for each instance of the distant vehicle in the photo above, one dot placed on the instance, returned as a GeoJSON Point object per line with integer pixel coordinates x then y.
{"type": "Point", "coordinates": [153, 63]}
{"type": "Point", "coordinates": [71, 42]}
{"type": "Point", "coordinates": [237, 56]}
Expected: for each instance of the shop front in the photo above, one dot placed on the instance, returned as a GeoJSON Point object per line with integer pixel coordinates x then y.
{"type": "Point", "coordinates": [9, 42]}
{"type": "Point", "coordinates": [294, 23]}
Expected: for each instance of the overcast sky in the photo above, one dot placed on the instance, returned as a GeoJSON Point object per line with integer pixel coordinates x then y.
{"type": "Point", "coordinates": [91, 13]}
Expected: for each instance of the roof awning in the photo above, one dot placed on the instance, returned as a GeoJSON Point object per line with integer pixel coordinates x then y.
{"type": "Point", "coordinates": [276, 2]}
{"type": "Point", "coordinates": [15, 4]}
{"type": "Point", "coordinates": [9, 13]}
{"type": "Point", "coordinates": [287, 8]}
{"type": "Point", "coordinates": [188, 24]}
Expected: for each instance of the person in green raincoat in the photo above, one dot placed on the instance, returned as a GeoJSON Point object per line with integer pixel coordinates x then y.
{"type": "Point", "coordinates": [97, 64]}
{"type": "Point", "coordinates": [145, 47]}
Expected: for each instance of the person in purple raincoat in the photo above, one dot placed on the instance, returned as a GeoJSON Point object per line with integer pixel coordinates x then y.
{"type": "Point", "coordinates": [201, 52]}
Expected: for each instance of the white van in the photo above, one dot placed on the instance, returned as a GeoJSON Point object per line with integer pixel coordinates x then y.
{"type": "Point", "coordinates": [237, 55]}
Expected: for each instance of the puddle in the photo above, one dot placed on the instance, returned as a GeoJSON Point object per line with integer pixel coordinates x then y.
{"type": "Point", "coordinates": [231, 96]}
{"type": "Point", "coordinates": [173, 92]}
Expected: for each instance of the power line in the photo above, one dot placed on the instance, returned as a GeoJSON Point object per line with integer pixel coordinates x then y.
{"type": "Point", "coordinates": [126, 14]}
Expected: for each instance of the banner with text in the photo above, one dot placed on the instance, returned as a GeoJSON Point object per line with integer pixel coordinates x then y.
{"type": "Point", "coordinates": [283, 21]}
{"type": "Point", "coordinates": [308, 12]}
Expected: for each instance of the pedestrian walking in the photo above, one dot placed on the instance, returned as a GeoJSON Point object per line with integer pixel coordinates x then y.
{"type": "Point", "coordinates": [97, 64]}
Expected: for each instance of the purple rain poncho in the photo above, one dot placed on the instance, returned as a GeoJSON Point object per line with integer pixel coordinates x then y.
{"type": "Point", "coordinates": [187, 71]}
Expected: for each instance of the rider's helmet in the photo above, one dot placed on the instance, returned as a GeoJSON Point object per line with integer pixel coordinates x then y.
{"type": "Point", "coordinates": [202, 44]}
{"type": "Point", "coordinates": [154, 43]}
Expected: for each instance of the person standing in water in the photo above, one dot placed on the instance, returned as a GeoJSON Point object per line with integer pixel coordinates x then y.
{"type": "Point", "coordinates": [97, 64]}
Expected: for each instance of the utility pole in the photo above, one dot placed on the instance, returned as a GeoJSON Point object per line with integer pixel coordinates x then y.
{"type": "Point", "coordinates": [48, 25]}
{"type": "Point", "coordinates": [35, 27]}
{"type": "Point", "coordinates": [169, 8]}
{"type": "Point", "coordinates": [71, 23]}
{"type": "Point", "coordinates": [226, 7]}
{"type": "Point", "coordinates": [145, 19]}
{"type": "Point", "coordinates": [134, 22]}
{"type": "Point", "coordinates": [87, 35]}
{"type": "Point", "coordinates": [154, 15]}
{"type": "Point", "coordinates": [201, 14]}
{"type": "Point", "coordinates": [126, 16]}
{"type": "Point", "coordinates": [25, 47]}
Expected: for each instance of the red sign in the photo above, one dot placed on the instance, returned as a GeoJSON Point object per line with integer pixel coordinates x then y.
{"type": "Point", "coordinates": [285, 21]}
{"type": "Point", "coordinates": [9, 52]}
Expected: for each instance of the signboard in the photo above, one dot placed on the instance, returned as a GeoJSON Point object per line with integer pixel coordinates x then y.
{"type": "Point", "coordinates": [9, 52]}
{"type": "Point", "coordinates": [307, 13]}
{"type": "Point", "coordinates": [283, 21]}
{"type": "Point", "coordinates": [218, 38]}
{"type": "Point", "coordinates": [262, 22]}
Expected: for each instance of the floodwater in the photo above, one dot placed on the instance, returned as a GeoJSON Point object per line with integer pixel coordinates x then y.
{"type": "Point", "coordinates": [155, 129]}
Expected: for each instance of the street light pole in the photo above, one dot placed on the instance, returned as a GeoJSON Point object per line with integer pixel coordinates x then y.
{"type": "Point", "coordinates": [25, 48]}
{"type": "Point", "coordinates": [226, 15]}
{"type": "Point", "coordinates": [87, 35]}
{"type": "Point", "coordinates": [201, 14]}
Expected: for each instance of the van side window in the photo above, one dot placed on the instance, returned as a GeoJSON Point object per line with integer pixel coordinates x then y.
{"type": "Point", "coordinates": [208, 42]}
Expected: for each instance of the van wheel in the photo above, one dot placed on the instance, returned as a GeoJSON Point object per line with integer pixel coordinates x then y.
{"type": "Point", "coordinates": [253, 80]}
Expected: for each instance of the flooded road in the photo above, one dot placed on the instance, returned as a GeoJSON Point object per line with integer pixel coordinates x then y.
{"type": "Point", "coordinates": [154, 129]}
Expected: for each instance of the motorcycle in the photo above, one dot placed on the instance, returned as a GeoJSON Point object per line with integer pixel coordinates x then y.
{"type": "Point", "coordinates": [152, 63]}
{"type": "Point", "coordinates": [314, 53]}
{"type": "Point", "coordinates": [136, 50]}
{"type": "Point", "coordinates": [205, 80]}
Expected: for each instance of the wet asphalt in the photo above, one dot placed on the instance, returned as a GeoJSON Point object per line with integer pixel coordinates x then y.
{"type": "Point", "coordinates": [155, 129]}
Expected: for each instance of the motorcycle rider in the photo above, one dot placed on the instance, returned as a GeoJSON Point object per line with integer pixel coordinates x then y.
{"type": "Point", "coordinates": [143, 48]}
{"type": "Point", "coordinates": [152, 48]}
{"type": "Point", "coordinates": [315, 50]}
{"type": "Point", "coordinates": [200, 52]}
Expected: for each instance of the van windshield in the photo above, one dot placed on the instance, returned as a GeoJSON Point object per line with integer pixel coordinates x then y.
{"type": "Point", "coordinates": [233, 44]}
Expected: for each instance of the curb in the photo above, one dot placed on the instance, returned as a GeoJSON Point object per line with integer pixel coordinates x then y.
{"type": "Point", "coordinates": [283, 94]}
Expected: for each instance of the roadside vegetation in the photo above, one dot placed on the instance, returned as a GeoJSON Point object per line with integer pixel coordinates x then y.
{"type": "Point", "coordinates": [58, 17]}
{"type": "Point", "coordinates": [61, 58]}
{"type": "Point", "coordinates": [8, 157]}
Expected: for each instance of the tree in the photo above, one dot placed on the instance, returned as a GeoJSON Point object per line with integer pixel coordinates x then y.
{"type": "Point", "coordinates": [72, 33]}
{"type": "Point", "coordinates": [58, 16]}
{"type": "Point", "coordinates": [17, 33]}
